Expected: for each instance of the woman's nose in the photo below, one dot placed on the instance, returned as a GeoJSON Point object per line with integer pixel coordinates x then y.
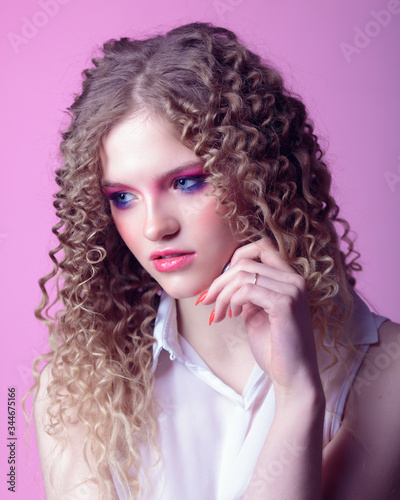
{"type": "Point", "coordinates": [160, 221]}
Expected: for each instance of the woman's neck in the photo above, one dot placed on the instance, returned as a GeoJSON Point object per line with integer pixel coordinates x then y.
{"type": "Point", "coordinates": [223, 346]}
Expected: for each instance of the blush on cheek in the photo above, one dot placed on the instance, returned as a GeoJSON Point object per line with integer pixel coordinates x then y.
{"type": "Point", "coordinates": [125, 231]}
{"type": "Point", "coordinates": [209, 217]}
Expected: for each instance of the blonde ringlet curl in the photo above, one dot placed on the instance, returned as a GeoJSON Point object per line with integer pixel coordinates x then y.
{"type": "Point", "coordinates": [266, 166]}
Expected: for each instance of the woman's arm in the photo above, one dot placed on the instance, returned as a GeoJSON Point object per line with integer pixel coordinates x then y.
{"type": "Point", "coordinates": [272, 301]}
{"type": "Point", "coordinates": [65, 470]}
{"type": "Point", "coordinates": [362, 462]}
{"type": "Point", "coordinates": [290, 462]}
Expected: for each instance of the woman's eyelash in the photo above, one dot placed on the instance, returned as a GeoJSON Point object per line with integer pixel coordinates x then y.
{"type": "Point", "coordinates": [121, 200]}
{"type": "Point", "coordinates": [190, 183]}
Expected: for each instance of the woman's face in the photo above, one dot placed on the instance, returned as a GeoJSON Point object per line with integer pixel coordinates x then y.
{"type": "Point", "coordinates": [157, 191]}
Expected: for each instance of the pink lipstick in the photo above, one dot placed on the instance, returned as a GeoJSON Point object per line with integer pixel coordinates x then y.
{"type": "Point", "coordinates": [170, 259]}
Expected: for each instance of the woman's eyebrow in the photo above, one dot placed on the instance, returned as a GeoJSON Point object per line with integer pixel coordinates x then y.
{"type": "Point", "coordinates": [178, 170]}
{"type": "Point", "coordinates": [158, 177]}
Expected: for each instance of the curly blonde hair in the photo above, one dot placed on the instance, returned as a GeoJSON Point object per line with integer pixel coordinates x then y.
{"type": "Point", "coordinates": [266, 166]}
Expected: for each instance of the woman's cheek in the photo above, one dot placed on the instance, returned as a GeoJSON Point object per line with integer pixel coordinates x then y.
{"type": "Point", "coordinates": [124, 229]}
{"type": "Point", "coordinates": [206, 212]}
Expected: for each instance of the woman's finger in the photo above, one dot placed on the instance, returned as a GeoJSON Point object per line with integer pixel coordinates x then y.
{"type": "Point", "coordinates": [265, 251]}
{"type": "Point", "coordinates": [243, 278]}
{"type": "Point", "coordinates": [247, 270]}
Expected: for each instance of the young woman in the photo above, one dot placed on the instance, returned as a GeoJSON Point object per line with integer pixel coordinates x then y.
{"type": "Point", "coordinates": [210, 344]}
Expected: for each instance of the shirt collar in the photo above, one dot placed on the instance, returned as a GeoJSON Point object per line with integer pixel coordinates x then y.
{"type": "Point", "coordinates": [365, 328]}
{"type": "Point", "coordinates": [166, 331]}
{"type": "Point", "coordinates": [167, 338]}
{"type": "Point", "coordinates": [166, 328]}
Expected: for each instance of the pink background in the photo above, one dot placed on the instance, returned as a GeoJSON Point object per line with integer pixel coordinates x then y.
{"type": "Point", "coordinates": [354, 101]}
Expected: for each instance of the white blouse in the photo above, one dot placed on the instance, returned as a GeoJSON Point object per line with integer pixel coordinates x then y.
{"type": "Point", "coordinates": [209, 435]}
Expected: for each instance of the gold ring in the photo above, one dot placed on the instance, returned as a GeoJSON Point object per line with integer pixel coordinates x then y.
{"type": "Point", "coordinates": [255, 278]}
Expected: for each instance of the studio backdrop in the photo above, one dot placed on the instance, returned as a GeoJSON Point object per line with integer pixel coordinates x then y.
{"type": "Point", "coordinates": [341, 57]}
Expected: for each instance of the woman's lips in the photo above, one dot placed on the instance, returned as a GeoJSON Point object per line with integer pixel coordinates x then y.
{"type": "Point", "coordinates": [173, 262]}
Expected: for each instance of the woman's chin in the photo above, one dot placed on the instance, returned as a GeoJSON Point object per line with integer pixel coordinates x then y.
{"type": "Point", "coordinates": [181, 293]}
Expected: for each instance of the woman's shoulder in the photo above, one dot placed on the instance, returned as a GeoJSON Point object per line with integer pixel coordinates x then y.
{"type": "Point", "coordinates": [375, 386]}
{"type": "Point", "coordinates": [367, 445]}
{"type": "Point", "coordinates": [42, 398]}
{"type": "Point", "coordinates": [390, 331]}
{"type": "Point", "coordinates": [383, 358]}
{"type": "Point", "coordinates": [61, 449]}
{"type": "Point", "coordinates": [49, 436]}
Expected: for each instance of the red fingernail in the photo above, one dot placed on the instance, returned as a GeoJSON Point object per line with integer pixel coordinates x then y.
{"type": "Point", "coordinates": [230, 313]}
{"type": "Point", "coordinates": [212, 316]}
{"type": "Point", "coordinates": [202, 297]}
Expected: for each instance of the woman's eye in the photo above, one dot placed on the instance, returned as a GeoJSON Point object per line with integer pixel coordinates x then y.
{"type": "Point", "coordinates": [189, 184]}
{"type": "Point", "coordinates": [121, 200]}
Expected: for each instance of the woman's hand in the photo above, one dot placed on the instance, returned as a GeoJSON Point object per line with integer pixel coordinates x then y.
{"type": "Point", "coordinates": [275, 311]}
